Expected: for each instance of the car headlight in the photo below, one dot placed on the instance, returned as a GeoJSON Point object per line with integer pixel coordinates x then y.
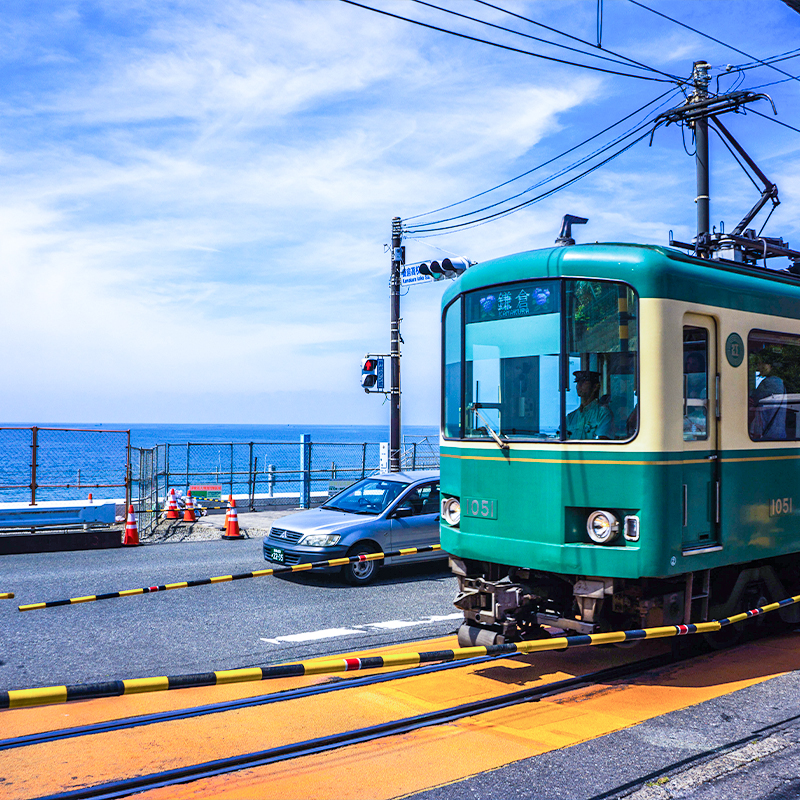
{"type": "Point", "coordinates": [320, 539]}
{"type": "Point", "coordinates": [451, 511]}
{"type": "Point", "coordinates": [602, 527]}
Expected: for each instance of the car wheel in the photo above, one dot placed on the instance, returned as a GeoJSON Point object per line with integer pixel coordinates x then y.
{"type": "Point", "coordinates": [360, 573]}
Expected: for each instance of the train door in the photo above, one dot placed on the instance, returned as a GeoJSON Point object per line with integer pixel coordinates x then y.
{"type": "Point", "coordinates": [701, 489]}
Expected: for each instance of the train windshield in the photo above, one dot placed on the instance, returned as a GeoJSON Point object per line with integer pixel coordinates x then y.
{"type": "Point", "coordinates": [542, 360]}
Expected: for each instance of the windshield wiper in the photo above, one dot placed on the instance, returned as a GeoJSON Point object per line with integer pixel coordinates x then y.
{"type": "Point", "coordinates": [501, 443]}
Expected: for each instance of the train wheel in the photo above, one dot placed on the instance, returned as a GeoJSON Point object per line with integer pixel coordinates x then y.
{"type": "Point", "coordinates": [360, 573]}
{"type": "Point", "coordinates": [475, 636]}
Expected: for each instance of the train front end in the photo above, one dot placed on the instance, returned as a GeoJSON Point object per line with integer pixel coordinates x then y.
{"type": "Point", "coordinates": [551, 496]}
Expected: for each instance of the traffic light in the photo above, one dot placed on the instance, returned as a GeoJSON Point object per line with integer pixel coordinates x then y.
{"type": "Point", "coordinates": [372, 373]}
{"type": "Point", "coordinates": [448, 268]}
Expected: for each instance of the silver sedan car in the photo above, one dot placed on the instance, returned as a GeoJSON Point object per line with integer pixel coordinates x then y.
{"type": "Point", "coordinates": [379, 514]}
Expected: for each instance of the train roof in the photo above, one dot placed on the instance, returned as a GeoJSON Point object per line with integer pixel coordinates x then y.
{"type": "Point", "coordinates": [653, 271]}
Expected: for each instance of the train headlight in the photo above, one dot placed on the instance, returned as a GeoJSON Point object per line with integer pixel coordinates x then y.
{"type": "Point", "coordinates": [320, 539]}
{"type": "Point", "coordinates": [451, 511]}
{"type": "Point", "coordinates": [602, 527]}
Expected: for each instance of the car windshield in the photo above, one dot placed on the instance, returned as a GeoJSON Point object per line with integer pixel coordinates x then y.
{"type": "Point", "coordinates": [369, 496]}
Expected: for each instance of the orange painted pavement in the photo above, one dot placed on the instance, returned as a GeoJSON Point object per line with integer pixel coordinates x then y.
{"type": "Point", "coordinates": [390, 767]}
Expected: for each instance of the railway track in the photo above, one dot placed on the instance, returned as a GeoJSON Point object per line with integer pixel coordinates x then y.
{"type": "Point", "coordinates": [316, 745]}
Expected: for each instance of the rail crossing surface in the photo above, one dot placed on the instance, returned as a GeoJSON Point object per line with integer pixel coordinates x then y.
{"type": "Point", "coordinates": [590, 731]}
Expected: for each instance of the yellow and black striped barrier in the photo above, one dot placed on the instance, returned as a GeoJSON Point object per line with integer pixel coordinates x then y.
{"type": "Point", "coordinates": [19, 698]}
{"type": "Point", "coordinates": [332, 562]}
{"type": "Point", "coordinates": [6, 595]}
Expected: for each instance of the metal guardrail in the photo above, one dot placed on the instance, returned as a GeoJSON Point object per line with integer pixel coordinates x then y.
{"type": "Point", "coordinates": [264, 472]}
{"type": "Point", "coordinates": [58, 464]}
{"type": "Point", "coordinates": [63, 463]}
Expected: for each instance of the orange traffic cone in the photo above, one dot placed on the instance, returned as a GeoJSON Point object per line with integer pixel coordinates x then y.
{"type": "Point", "coordinates": [131, 531]}
{"type": "Point", "coordinates": [172, 509]}
{"type": "Point", "coordinates": [188, 514]}
{"type": "Point", "coordinates": [228, 513]}
{"type": "Point", "coordinates": [232, 530]}
{"type": "Point", "coordinates": [90, 497]}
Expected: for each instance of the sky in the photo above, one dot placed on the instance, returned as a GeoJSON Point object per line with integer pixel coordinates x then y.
{"type": "Point", "coordinates": [196, 197]}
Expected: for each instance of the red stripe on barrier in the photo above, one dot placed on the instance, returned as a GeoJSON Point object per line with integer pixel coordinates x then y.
{"type": "Point", "coordinates": [154, 588]}
{"type": "Point", "coordinates": [682, 629]}
{"type": "Point", "coordinates": [362, 557]}
{"type": "Point", "coordinates": [352, 663]}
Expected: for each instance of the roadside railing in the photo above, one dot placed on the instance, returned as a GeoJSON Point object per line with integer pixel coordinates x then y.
{"type": "Point", "coordinates": [40, 464]}
{"type": "Point", "coordinates": [44, 464]}
{"type": "Point", "coordinates": [266, 473]}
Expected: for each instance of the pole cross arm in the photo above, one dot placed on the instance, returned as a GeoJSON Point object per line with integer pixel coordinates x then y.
{"type": "Point", "coordinates": [691, 112]}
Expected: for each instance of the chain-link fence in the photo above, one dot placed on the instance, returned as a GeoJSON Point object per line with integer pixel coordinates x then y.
{"type": "Point", "coordinates": [38, 464]}
{"type": "Point", "coordinates": [266, 473]}
{"type": "Point", "coordinates": [420, 452]}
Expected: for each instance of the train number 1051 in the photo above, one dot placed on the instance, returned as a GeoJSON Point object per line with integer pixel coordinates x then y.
{"type": "Point", "coordinates": [781, 505]}
{"type": "Point", "coordinates": [479, 507]}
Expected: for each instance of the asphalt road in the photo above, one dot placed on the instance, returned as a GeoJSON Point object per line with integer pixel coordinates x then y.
{"type": "Point", "coordinates": [740, 745]}
{"type": "Point", "coordinates": [222, 626]}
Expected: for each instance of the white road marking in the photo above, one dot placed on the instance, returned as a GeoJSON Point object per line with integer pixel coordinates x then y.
{"type": "Point", "coordinates": [393, 624]}
{"type": "Point", "coordinates": [356, 630]}
{"type": "Point", "coordinates": [328, 633]}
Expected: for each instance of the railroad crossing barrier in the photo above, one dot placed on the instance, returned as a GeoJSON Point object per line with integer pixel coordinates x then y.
{"type": "Point", "coordinates": [333, 562]}
{"type": "Point", "coordinates": [6, 595]}
{"type": "Point", "coordinates": [19, 698]}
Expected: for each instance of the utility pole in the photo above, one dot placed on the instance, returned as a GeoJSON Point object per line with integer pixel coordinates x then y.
{"type": "Point", "coordinates": [701, 80]}
{"type": "Point", "coordinates": [394, 387]}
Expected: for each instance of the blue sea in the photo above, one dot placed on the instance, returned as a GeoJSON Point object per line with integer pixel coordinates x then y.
{"type": "Point", "coordinates": [242, 458]}
{"type": "Point", "coordinates": [150, 435]}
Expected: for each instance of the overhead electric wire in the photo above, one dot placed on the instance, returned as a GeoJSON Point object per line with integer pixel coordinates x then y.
{"type": "Point", "coordinates": [773, 119]}
{"type": "Point", "coordinates": [785, 56]}
{"type": "Point", "coordinates": [526, 35]}
{"type": "Point", "coordinates": [544, 163]}
{"type": "Point", "coordinates": [771, 83]}
{"type": "Point", "coordinates": [505, 46]}
{"type": "Point", "coordinates": [563, 171]}
{"type": "Point", "coordinates": [708, 36]}
{"type": "Point", "coordinates": [507, 211]}
{"type": "Point", "coordinates": [578, 39]}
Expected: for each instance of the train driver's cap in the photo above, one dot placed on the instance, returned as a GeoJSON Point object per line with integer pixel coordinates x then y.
{"type": "Point", "coordinates": [586, 375]}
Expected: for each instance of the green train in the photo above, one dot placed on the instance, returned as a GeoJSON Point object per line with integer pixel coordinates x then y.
{"type": "Point", "coordinates": [620, 443]}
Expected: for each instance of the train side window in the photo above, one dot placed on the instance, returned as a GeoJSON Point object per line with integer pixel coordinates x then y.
{"type": "Point", "coordinates": [602, 354]}
{"type": "Point", "coordinates": [773, 381]}
{"type": "Point", "coordinates": [695, 383]}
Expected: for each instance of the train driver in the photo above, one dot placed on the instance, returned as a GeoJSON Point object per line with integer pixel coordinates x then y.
{"type": "Point", "coordinates": [768, 400]}
{"type": "Point", "coordinates": [589, 420]}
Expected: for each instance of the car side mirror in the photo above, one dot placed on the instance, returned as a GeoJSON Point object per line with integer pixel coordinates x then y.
{"type": "Point", "coordinates": [403, 511]}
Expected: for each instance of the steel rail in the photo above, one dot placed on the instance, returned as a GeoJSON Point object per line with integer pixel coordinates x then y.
{"type": "Point", "coordinates": [142, 720]}
{"type": "Point", "coordinates": [222, 766]}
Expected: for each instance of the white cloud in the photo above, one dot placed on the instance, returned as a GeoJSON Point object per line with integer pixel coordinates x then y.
{"type": "Point", "coordinates": [215, 182]}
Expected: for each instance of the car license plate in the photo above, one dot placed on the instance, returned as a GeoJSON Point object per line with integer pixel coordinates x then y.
{"type": "Point", "coordinates": [276, 555]}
